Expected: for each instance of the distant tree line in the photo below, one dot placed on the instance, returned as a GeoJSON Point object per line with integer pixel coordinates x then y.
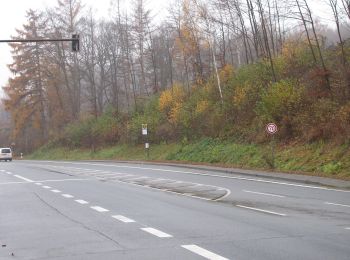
{"type": "Point", "coordinates": [127, 59]}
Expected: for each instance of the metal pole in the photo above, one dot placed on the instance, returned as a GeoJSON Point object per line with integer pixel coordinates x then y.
{"type": "Point", "coordinates": [40, 40]}
{"type": "Point", "coordinates": [273, 151]}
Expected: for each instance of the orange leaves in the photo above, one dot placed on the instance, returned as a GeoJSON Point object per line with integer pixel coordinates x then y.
{"type": "Point", "coordinates": [202, 106]}
{"type": "Point", "coordinates": [171, 101]}
{"type": "Point", "coordinates": [226, 73]}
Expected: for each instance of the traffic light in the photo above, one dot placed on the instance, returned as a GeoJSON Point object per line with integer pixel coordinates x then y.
{"type": "Point", "coordinates": [75, 42]}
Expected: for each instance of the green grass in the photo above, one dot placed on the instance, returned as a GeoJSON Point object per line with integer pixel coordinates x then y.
{"type": "Point", "coordinates": [319, 159]}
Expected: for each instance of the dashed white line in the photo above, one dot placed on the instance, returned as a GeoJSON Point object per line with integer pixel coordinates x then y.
{"type": "Point", "coordinates": [156, 232]}
{"type": "Point", "coordinates": [46, 187]}
{"type": "Point", "coordinates": [123, 219]}
{"type": "Point", "coordinates": [337, 204]}
{"type": "Point", "coordinates": [56, 191]}
{"type": "Point", "coordinates": [203, 252]}
{"type": "Point", "coordinates": [99, 209]}
{"type": "Point", "coordinates": [348, 228]}
{"type": "Point", "coordinates": [82, 202]}
{"type": "Point", "coordinates": [68, 196]}
{"type": "Point", "coordinates": [262, 193]}
{"type": "Point", "coordinates": [262, 210]}
{"type": "Point", "coordinates": [38, 183]}
{"type": "Point", "coordinates": [9, 173]}
{"type": "Point", "coordinates": [23, 178]}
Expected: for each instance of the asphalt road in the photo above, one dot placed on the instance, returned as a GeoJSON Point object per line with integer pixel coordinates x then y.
{"type": "Point", "coordinates": [100, 210]}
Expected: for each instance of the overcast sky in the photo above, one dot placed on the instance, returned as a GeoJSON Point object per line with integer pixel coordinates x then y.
{"type": "Point", "coordinates": [12, 16]}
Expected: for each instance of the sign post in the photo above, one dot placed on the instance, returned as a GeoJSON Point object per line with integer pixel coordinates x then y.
{"type": "Point", "coordinates": [272, 129]}
{"type": "Point", "coordinates": [145, 133]}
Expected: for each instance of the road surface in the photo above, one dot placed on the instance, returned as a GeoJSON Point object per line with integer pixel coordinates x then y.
{"type": "Point", "coordinates": [105, 210]}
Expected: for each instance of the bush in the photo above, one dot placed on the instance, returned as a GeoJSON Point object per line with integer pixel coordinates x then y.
{"type": "Point", "coordinates": [280, 103]}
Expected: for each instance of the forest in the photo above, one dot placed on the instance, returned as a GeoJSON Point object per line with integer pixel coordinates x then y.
{"type": "Point", "coordinates": [216, 70]}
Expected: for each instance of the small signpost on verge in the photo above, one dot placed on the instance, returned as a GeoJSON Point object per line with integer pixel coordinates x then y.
{"type": "Point", "coordinates": [144, 129]}
{"type": "Point", "coordinates": [145, 133]}
{"type": "Point", "coordinates": [271, 129]}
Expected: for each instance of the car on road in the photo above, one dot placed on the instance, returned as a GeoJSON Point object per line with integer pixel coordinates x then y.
{"type": "Point", "coordinates": [5, 154]}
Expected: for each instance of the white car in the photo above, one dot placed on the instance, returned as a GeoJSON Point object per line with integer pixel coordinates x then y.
{"type": "Point", "coordinates": [5, 154]}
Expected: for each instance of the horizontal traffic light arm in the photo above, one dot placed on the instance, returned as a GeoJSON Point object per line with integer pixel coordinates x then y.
{"type": "Point", "coordinates": [42, 40]}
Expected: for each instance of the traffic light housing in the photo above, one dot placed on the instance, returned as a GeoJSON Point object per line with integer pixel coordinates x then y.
{"type": "Point", "coordinates": [75, 42]}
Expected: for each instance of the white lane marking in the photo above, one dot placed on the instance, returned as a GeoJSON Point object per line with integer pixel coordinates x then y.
{"type": "Point", "coordinates": [123, 219]}
{"type": "Point", "coordinates": [156, 232]}
{"type": "Point", "coordinates": [82, 202]}
{"type": "Point", "coordinates": [56, 191]}
{"type": "Point", "coordinates": [228, 192]}
{"type": "Point", "coordinates": [210, 175]}
{"type": "Point", "coordinates": [348, 228]}
{"type": "Point", "coordinates": [14, 182]}
{"type": "Point", "coordinates": [61, 180]}
{"type": "Point", "coordinates": [203, 252]}
{"type": "Point", "coordinates": [9, 173]}
{"type": "Point", "coordinates": [38, 183]}
{"type": "Point", "coordinates": [68, 196]}
{"type": "Point", "coordinates": [337, 204]}
{"type": "Point", "coordinates": [23, 178]}
{"type": "Point", "coordinates": [262, 210]}
{"type": "Point", "coordinates": [46, 187]}
{"type": "Point", "coordinates": [138, 178]}
{"type": "Point", "coordinates": [26, 182]}
{"type": "Point", "coordinates": [99, 209]}
{"type": "Point", "coordinates": [262, 193]}
{"type": "Point", "coordinates": [2, 170]}
{"type": "Point", "coordinates": [121, 175]}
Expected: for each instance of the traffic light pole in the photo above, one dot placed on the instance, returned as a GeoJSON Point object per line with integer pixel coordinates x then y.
{"type": "Point", "coordinates": [41, 40]}
{"type": "Point", "coordinates": [74, 40]}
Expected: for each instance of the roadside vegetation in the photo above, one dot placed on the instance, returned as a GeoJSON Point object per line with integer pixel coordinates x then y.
{"type": "Point", "coordinates": [195, 126]}
{"type": "Point", "coordinates": [206, 83]}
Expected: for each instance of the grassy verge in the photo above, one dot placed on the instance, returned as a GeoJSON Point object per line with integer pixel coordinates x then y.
{"type": "Point", "coordinates": [318, 159]}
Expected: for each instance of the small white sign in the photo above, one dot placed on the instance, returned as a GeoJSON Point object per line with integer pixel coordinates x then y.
{"type": "Point", "coordinates": [147, 145]}
{"type": "Point", "coordinates": [144, 129]}
{"type": "Point", "coordinates": [271, 128]}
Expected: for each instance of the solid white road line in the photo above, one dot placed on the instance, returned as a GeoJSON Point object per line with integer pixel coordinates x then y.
{"type": "Point", "coordinates": [56, 191]}
{"type": "Point", "coordinates": [123, 219]}
{"type": "Point", "coordinates": [23, 178]}
{"type": "Point", "coordinates": [156, 232]}
{"type": "Point", "coordinates": [111, 174]}
{"type": "Point", "coordinates": [203, 252]}
{"type": "Point", "coordinates": [38, 183]}
{"type": "Point", "coordinates": [14, 182]}
{"type": "Point", "coordinates": [82, 202]}
{"type": "Point", "coordinates": [262, 193]}
{"type": "Point", "coordinates": [99, 209]}
{"type": "Point", "coordinates": [210, 175]}
{"type": "Point", "coordinates": [61, 180]}
{"type": "Point", "coordinates": [262, 210]}
{"type": "Point", "coordinates": [68, 196]}
{"type": "Point", "coordinates": [138, 178]}
{"type": "Point", "coordinates": [46, 187]}
{"type": "Point", "coordinates": [336, 204]}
